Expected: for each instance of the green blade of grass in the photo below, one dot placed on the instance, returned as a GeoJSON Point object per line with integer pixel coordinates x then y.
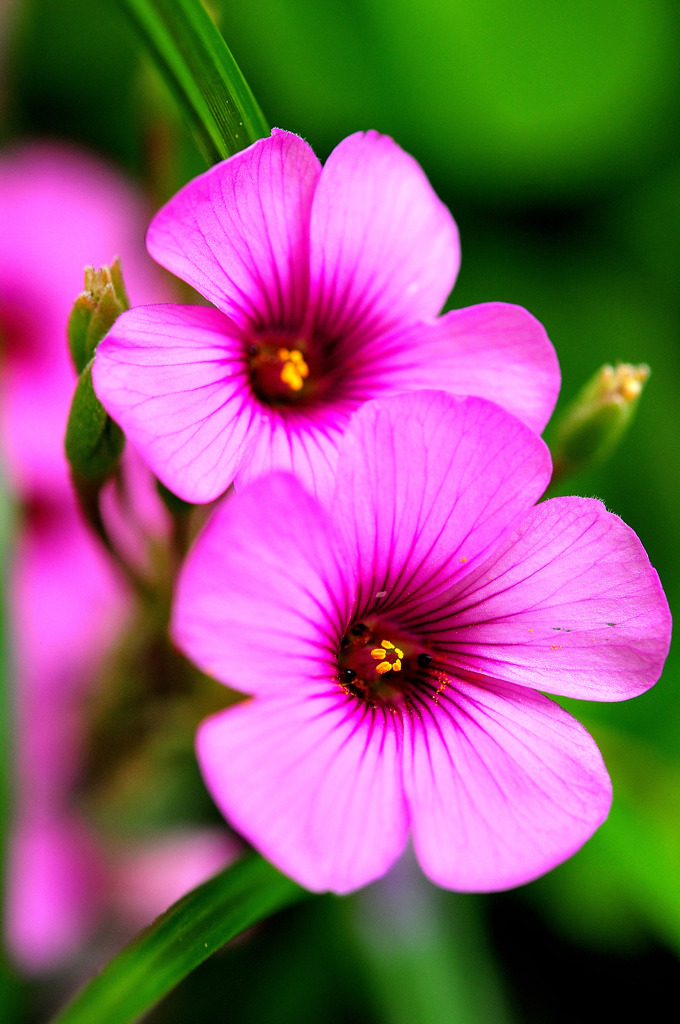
{"type": "Point", "coordinates": [178, 941]}
{"type": "Point", "coordinates": [200, 70]}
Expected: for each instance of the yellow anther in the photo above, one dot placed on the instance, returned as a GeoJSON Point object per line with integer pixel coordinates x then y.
{"type": "Point", "coordinates": [299, 360]}
{"type": "Point", "coordinates": [291, 376]}
{"type": "Point", "coordinates": [381, 654]}
{"type": "Point", "coordinates": [294, 369]}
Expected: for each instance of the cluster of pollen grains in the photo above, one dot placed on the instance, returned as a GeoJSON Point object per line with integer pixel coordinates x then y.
{"type": "Point", "coordinates": [380, 665]}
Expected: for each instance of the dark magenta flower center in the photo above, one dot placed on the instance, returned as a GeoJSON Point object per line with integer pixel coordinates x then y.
{"type": "Point", "coordinates": [285, 369]}
{"type": "Point", "coordinates": [381, 664]}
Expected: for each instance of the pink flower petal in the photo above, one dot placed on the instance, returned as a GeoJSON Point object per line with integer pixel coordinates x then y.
{"type": "Point", "coordinates": [261, 601]}
{"type": "Point", "coordinates": [384, 249]}
{"type": "Point", "coordinates": [302, 442]}
{"type": "Point", "coordinates": [502, 785]}
{"type": "Point", "coordinates": [495, 351]}
{"type": "Point", "coordinates": [175, 379]}
{"type": "Point", "coordinates": [314, 784]}
{"type": "Point", "coordinates": [428, 484]}
{"type": "Point", "coordinates": [240, 232]}
{"type": "Point", "coordinates": [569, 605]}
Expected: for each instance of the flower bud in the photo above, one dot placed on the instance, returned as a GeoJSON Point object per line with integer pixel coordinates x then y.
{"type": "Point", "coordinates": [95, 310]}
{"type": "Point", "coordinates": [594, 423]}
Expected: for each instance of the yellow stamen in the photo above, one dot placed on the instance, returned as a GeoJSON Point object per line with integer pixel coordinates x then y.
{"type": "Point", "coordinates": [396, 666]}
{"type": "Point", "coordinates": [387, 645]}
{"type": "Point", "coordinates": [384, 667]}
{"type": "Point", "coordinates": [399, 654]}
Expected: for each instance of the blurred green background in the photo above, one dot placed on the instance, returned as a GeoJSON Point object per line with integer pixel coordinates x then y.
{"type": "Point", "coordinates": [550, 130]}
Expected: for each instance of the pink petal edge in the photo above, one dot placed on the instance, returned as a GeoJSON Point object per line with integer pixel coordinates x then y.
{"type": "Point", "coordinates": [384, 248]}
{"type": "Point", "coordinates": [175, 379]}
{"type": "Point", "coordinates": [261, 601]}
{"type": "Point", "coordinates": [502, 785]}
{"type": "Point", "coordinates": [239, 233]}
{"type": "Point", "coordinates": [569, 605]}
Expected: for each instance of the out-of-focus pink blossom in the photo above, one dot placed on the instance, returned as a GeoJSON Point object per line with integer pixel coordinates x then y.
{"type": "Point", "coordinates": [60, 210]}
{"type": "Point", "coordinates": [395, 643]}
{"type": "Point", "coordinates": [153, 875]}
{"type": "Point", "coordinates": [327, 284]}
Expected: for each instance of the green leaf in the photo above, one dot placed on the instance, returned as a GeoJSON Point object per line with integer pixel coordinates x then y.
{"type": "Point", "coordinates": [182, 938]}
{"type": "Point", "coordinates": [201, 71]}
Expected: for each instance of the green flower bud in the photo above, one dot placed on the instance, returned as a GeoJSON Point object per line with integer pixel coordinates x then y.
{"type": "Point", "coordinates": [94, 311]}
{"type": "Point", "coordinates": [592, 426]}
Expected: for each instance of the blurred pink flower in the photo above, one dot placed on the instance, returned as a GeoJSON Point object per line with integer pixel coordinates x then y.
{"type": "Point", "coordinates": [151, 876]}
{"type": "Point", "coordinates": [59, 209]}
{"type": "Point", "coordinates": [396, 642]}
{"type": "Point", "coordinates": [327, 284]}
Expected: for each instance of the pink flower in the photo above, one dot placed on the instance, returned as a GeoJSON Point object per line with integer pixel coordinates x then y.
{"type": "Point", "coordinates": [152, 875]}
{"type": "Point", "coordinates": [396, 643]}
{"type": "Point", "coordinates": [327, 284]}
{"type": "Point", "coordinates": [60, 209]}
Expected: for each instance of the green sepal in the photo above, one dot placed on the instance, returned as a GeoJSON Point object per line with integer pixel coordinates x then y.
{"type": "Point", "coordinates": [94, 312]}
{"type": "Point", "coordinates": [94, 443]}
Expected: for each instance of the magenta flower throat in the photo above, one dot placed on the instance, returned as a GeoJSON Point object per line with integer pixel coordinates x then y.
{"type": "Point", "coordinates": [327, 283]}
{"type": "Point", "coordinates": [395, 643]}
